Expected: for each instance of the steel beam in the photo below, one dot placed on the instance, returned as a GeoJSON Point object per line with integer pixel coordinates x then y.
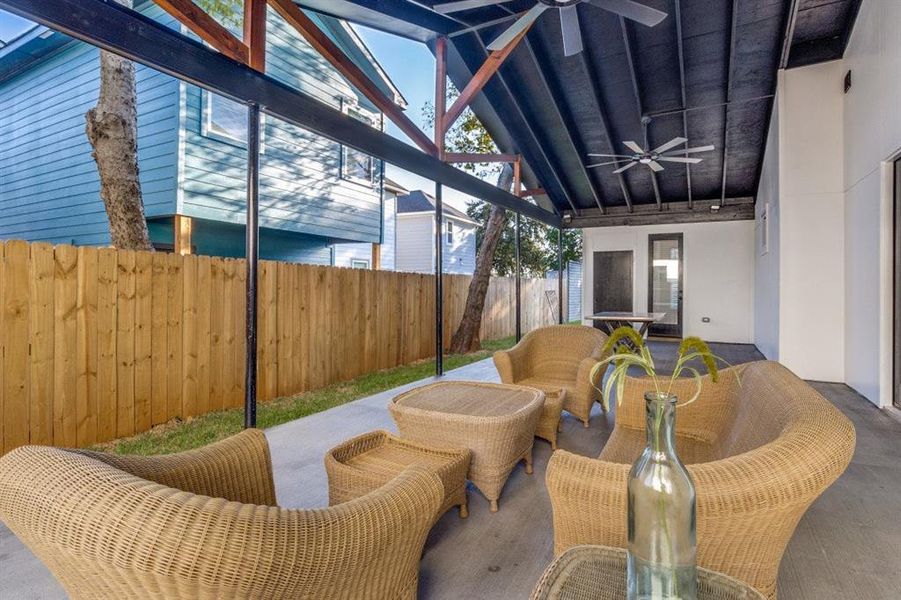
{"type": "Point", "coordinates": [703, 211]}
{"type": "Point", "coordinates": [732, 39]}
{"type": "Point", "coordinates": [517, 257]}
{"type": "Point", "coordinates": [253, 255]}
{"type": "Point", "coordinates": [439, 280]}
{"type": "Point", "coordinates": [556, 104]}
{"type": "Point", "coordinates": [593, 78]}
{"type": "Point", "coordinates": [118, 29]}
{"type": "Point", "coordinates": [627, 42]}
{"type": "Point", "coordinates": [678, 19]}
{"type": "Point", "coordinates": [560, 276]}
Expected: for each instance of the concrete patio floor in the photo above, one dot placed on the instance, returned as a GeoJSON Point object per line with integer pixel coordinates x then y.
{"type": "Point", "coordinates": [848, 545]}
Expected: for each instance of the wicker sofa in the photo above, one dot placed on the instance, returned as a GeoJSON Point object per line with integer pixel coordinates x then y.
{"type": "Point", "coordinates": [204, 524]}
{"type": "Point", "coordinates": [554, 358]}
{"type": "Point", "coordinates": [760, 453]}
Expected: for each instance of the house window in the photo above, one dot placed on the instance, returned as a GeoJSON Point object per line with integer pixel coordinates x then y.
{"type": "Point", "coordinates": [359, 264]}
{"type": "Point", "coordinates": [449, 230]}
{"type": "Point", "coordinates": [355, 165]}
{"type": "Point", "coordinates": [225, 118]}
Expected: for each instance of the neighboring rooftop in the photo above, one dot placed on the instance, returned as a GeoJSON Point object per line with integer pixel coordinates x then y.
{"type": "Point", "coordinates": [418, 202]}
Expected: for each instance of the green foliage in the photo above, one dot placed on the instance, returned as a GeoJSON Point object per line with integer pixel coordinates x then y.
{"type": "Point", "coordinates": [538, 242]}
{"type": "Point", "coordinates": [467, 135]}
{"type": "Point", "coordinates": [625, 348]}
{"type": "Point", "coordinates": [229, 13]}
{"type": "Point", "coordinates": [178, 436]}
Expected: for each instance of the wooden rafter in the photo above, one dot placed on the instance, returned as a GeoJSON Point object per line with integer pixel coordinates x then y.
{"type": "Point", "coordinates": [338, 59]}
{"type": "Point", "coordinates": [207, 28]}
{"type": "Point", "coordinates": [440, 93]}
{"type": "Point", "coordinates": [255, 33]}
{"type": "Point", "coordinates": [491, 66]}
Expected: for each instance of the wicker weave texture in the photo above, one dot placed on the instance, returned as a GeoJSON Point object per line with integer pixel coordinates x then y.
{"type": "Point", "coordinates": [549, 423]}
{"type": "Point", "coordinates": [553, 358]}
{"type": "Point", "coordinates": [498, 442]}
{"type": "Point", "coordinates": [599, 573]}
{"type": "Point", "coordinates": [775, 445]}
{"type": "Point", "coordinates": [107, 534]}
{"type": "Point", "coordinates": [367, 462]}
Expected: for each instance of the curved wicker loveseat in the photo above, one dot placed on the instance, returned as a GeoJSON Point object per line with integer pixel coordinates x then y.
{"type": "Point", "coordinates": [760, 454]}
{"type": "Point", "coordinates": [554, 358]}
{"type": "Point", "coordinates": [115, 527]}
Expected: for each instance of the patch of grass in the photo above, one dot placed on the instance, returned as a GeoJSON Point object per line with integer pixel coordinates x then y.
{"type": "Point", "coordinates": [177, 436]}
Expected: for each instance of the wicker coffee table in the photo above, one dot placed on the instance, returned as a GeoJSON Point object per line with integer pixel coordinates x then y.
{"type": "Point", "coordinates": [365, 463]}
{"type": "Point", "coordinates": [496, 422]}
{"type": "Point", "coordinates": [599, 573]}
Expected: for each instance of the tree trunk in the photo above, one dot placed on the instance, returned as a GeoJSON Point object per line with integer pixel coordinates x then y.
{"type": "Point", "coordinates": [112, 129]}
{"type": "Point", "coordinates": [466, 338]}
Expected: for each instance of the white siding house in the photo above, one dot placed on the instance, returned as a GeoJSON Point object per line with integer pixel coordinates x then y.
{"type": "Point", "coordinates": [415, 246]}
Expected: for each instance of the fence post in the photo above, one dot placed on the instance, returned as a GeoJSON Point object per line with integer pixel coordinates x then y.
{"type": "Point", "coordinates": [253, 256]}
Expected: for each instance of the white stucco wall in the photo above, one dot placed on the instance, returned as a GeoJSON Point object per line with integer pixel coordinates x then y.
{"type": "Point", "coordinates": [767, 249]}
{"type": "Point", "coordinates": [718, 274]}
{"type": "Point", "coordinates": [811, 222]}
{"type": "Point", "coordinates": [872, 138]}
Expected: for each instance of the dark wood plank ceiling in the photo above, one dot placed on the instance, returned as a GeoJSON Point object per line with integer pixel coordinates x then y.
{"type": "Point", "coordinates": [707, 72]}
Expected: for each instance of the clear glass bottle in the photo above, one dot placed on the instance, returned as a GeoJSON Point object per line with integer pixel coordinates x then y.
{"type": "Point", "coordinates": [662, 540]}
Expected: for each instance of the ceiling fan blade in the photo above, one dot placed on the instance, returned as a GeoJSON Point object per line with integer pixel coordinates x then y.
{"type": "Point", "coordinates": [612, 155]}
{"type": "Point", "coordinates": [569, 25]}
{"type": "Point", "coordinates": [603, 164]}
{"type": "Point", "coordinates": [691, 150]}
{"type": "Point", "coordinates": [676, 141]}
{"type": "Point", "coordinates": [634, 147]}
{"type": "Point", "coordinates": [631, 10]}
{"type": "Point", "coordinates": [627, 167]}
{"type": "Point", "coordinates": [521, 25]}
{"type": "Point", "coordinates": [678, 159]}
{"type": "Point", "coordinates": [450, 7]}
{"type": "Point", "coordinates": [655, 166]}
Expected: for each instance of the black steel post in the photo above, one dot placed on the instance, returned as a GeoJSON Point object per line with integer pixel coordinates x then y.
{"type": "Point", "coordinates": [560, 276]}
{"type": "Point", "coordinates": [253, 255]}
{"type": "Point", "coordinates": [439, 281]}
{"type": "Point", "coordinates": [518, 281]}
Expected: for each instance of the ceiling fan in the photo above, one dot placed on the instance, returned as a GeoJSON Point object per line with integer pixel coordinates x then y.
{"type": "Point", "coordinates": [569, 17]}
{"type": "Point", "coordinates": [652, 158]}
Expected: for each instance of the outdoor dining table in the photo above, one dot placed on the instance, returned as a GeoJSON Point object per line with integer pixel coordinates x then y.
{"type": "Point", "coordinates": [611, 320]}
{"type": "Point", "coordinates": [497, 422]}
{"type": "Point", "coordinates": [599, 573]}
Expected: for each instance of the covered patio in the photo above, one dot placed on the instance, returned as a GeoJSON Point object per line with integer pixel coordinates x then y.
{"type": "Point", "coordinates": [780, 244]}
{"type": "Point", "coordinates": [502, 555]}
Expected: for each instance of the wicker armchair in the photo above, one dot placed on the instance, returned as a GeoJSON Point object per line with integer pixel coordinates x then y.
{"type": "Point", "coordinates": [760, 454]}
{"type": "Point", "coordinates": [112, 527]}
{"type": "Point", "coordinates": [554, 358]}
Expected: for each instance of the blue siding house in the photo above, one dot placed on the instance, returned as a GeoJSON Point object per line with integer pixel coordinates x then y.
{"type": "Point", "coordinates": [192, 151]}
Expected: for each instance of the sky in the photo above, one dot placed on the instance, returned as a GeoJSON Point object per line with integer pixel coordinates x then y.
{"type": "Point", "coordinates": [411, 67]}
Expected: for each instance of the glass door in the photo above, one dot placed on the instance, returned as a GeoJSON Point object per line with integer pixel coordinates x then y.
{"type": "Point", "coordinates": [665, 261]}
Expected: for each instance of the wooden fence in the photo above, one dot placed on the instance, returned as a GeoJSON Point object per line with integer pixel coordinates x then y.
{"type": "Point", "coordinates": [99, 343]}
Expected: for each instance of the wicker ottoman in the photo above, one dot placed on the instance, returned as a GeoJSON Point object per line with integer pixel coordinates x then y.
{"type": "Point", "coordinates": [496, 421]}
{"type": "Point", "coordinates": [549, 423]}
{"type": "Point", "coordinates": [369, 461]}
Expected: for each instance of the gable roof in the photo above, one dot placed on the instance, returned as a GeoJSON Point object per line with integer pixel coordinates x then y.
{"type": "Point", "coordinates": [18, 54]}
{"type": "Point", "coordinates": [420, 202]}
